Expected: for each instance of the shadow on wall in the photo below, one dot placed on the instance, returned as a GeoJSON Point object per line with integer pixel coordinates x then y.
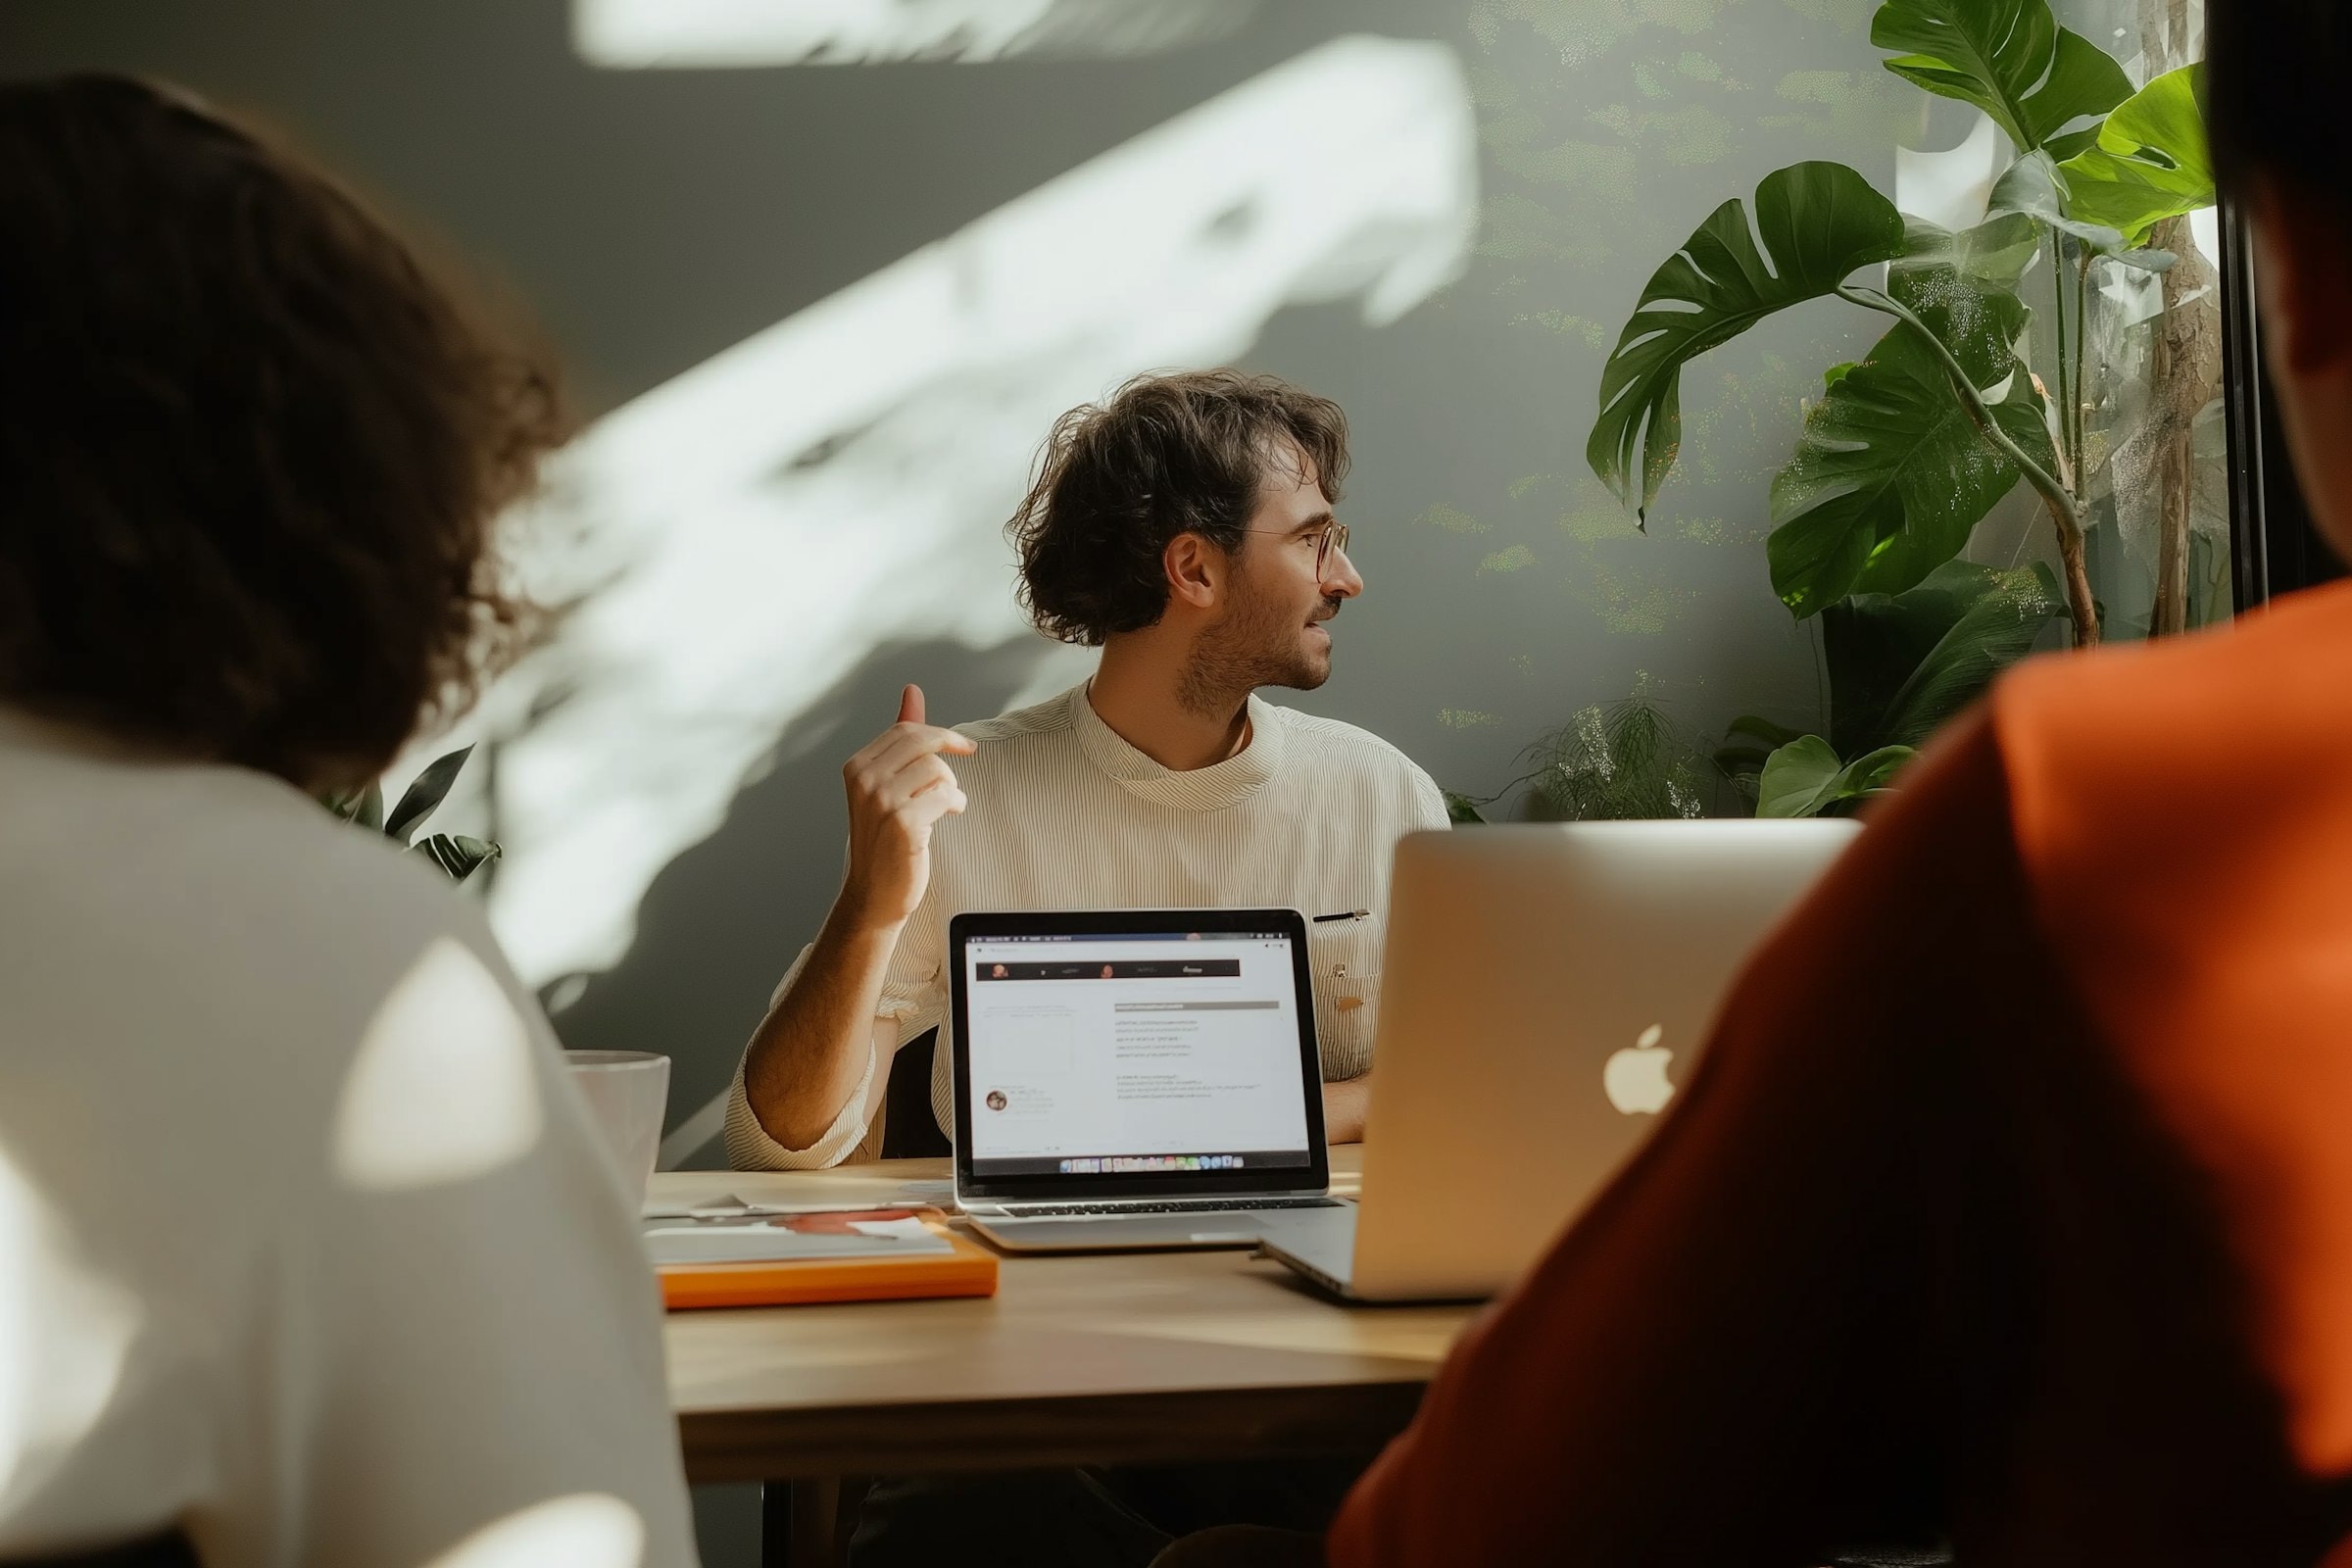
{"type": "Point", "coordinates": [738, 539]}
{"type": "Point", "coordinates": [723, 920]}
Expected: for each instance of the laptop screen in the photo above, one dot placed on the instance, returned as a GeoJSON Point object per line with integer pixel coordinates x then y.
{"type": "Point", "coordinates": [1146, 1054]}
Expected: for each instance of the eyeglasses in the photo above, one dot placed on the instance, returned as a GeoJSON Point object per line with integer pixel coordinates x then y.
{"type": "Point", "coordinates": [1332, 536]}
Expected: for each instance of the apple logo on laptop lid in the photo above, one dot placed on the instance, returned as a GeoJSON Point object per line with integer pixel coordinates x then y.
{"type": "Point", "coordinates": [1634, 1078]}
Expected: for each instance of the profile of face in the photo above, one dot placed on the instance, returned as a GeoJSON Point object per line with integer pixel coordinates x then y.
{"type": "Point", "coordinates": [2307, 307]}
{"type": "Point", "coordinates": [996, 971]}
{"type": "Point", "coordinates": [1274, 627]}
{"type": "Point", "coordinates": [996, 1099]}
{"type": "Point", "coordinates": [1106, 975]}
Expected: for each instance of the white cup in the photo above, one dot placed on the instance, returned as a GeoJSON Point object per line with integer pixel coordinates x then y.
{"type": "Point", "coordinates": [628, 1092]}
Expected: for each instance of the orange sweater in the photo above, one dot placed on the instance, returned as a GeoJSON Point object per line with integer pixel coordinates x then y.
{"type": "Point", "coordinates": [2013, 1200]}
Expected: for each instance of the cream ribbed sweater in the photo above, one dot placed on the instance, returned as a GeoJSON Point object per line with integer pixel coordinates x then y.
{"type": "Point", "coordinates": [1066, 816]}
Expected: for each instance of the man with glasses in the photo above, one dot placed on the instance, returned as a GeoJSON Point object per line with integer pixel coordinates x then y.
{"type": "Point", "coordinates": [1186, 529]}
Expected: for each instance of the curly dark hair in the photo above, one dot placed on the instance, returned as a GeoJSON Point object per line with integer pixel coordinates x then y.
{"type": "Point", "coordinates": [251, 448]}
{"type": "Point", "coordinates": [1187, 453]}
{"type": "Point", "coordinates": [2273, 96]}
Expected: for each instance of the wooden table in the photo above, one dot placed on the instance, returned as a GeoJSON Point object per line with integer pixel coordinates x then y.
{"type": "Point", "coordinates": [1122, 1358]}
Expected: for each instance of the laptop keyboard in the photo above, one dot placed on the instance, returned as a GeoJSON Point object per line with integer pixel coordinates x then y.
{"type": "Point", "coordinates": [1226, 1206]}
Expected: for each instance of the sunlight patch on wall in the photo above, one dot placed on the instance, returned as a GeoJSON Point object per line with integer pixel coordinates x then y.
{"type": "Point", "coordinates": [1951, 188]}
{"type": "Point", "coordinates": [2205, 228]}
{"type": "Point", "coordinates": [1849, 107]}
{"type": "Point", "coordinates": [64, 1335]}
{"type": "Point", "coordinates": [1582, 30]}
{"type": "Point", "coordinates": [1687, 136]}
{"type": "Point", "coordinates": [657, 34]}
{"type": "Point", "coordinates": [1720, 531]}
{"type": "Point", "coordinates": [1593, 334]}
{"type": "Point", "coordinates": [741, 539]}
{"type": "Point", "coordinates": [1596, 514]}
{"type": "Point", "coordinates": [1451, 519]}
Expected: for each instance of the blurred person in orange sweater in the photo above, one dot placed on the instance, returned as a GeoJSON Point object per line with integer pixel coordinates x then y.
{"type": "Point", "coordinates": [2011, 1206]}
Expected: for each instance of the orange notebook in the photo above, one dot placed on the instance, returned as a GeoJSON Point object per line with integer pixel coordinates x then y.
{"type": "Point", "coordinates": [761, 1258]}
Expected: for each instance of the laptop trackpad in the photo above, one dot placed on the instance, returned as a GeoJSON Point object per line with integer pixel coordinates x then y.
{"type": "Point", "coordinates": [1127, 1233]}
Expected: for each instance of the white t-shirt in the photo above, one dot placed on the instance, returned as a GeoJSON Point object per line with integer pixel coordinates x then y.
{"type": "Point", "coordinates": [306, 1246]}
{"type": "Point", "coordinates": [1064, 814]}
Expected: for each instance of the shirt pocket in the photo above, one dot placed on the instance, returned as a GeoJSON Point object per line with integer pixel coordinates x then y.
{"type": "Point", "coordinates": [1343, 961]}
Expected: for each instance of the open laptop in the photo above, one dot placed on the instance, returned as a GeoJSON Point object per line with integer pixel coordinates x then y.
{"type": "Point", "coordinates": [1134, 1078]}
{"type": "Point", "coordinates": [1545, 990]}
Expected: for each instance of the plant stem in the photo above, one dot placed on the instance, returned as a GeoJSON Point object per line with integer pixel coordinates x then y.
{"type": "Point", "coordinates": [2066, 355]}
{"type": "Point", "coordinates": [2073, 407]}
{"type": "Point", "coordinates": [2065, 512]}
{"type": "Point", "coordinates": [2186, 371]}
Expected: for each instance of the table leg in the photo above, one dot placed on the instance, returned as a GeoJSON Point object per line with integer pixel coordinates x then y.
{"type": "Point", "coordinates": [799, 1523]}
{"type": "Point", "coordinates": [775, 1523]}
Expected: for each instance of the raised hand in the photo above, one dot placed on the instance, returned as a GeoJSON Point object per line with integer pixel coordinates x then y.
{"type": "Point", "coordinates": [899, 787]}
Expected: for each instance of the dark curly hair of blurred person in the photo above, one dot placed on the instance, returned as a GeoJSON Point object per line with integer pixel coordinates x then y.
{"type": "Point", "coordinates": [1183, 453]}
{"type": "Point", "coordinates": [2273, 98]}
{"type": "Point", "coordinates": [251, 449]}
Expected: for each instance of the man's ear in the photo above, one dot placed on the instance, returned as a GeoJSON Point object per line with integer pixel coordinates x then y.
{"type": "Point", "coordinates": [1195, 571]}
{"type": "Point", "coordinates": [2306, 272]}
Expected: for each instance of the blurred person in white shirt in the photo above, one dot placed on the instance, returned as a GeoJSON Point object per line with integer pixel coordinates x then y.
{"type": "Point", "coordinates": [307, 1251]}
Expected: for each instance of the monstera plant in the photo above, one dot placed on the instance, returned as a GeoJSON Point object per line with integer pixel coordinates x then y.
{"type": "Point", "coordinates": [457, 855]}
{"type": "Point", "coordinates": [1907, 451]}
{"type": "Point", "coordinates": [1900, 664]}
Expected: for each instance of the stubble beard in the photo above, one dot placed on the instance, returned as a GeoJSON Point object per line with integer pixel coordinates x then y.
{"type": "Point", "coordinates": [1255, 644]}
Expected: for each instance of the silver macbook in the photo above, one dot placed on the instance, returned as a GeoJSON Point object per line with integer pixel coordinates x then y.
{"type": "Point", "coordinates": [1134, 1078]}
{"type": "Point", "coordinates": [1545, 990]}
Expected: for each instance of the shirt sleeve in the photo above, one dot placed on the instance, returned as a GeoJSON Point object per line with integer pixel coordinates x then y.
{"type": "Point", "coordinates": [1717, 1361]}
{"type": "Point", "coordinates": [1429, 814]}
{"type": "Point", "coordinates": [468, 1337]}
{"type": "Point", "coordinates": [912, 1001]}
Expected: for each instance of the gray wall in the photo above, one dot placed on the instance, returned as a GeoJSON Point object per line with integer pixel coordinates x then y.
{"type": "Point", "coordinates": [652, 218]}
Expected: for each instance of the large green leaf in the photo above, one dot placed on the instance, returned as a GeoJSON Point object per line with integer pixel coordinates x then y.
{"type": "Point", "coordinates": [1994, 255]}
{"type": "Point", "coordinates": [457, 855]}
{"type": "Point", "coordinates": [1806, 778]}
{"type": "Point", "coordinates": [1871, 643]}
{"type": "Point", "coordinates": [1795, 777]}
{"type": "Point", "coordinates": [361, 807]}
{"type": "Point", "coordinates": [2009, 58]}
{"type": "Point", "coordinates": [1748, 742]}
{"type": "Point", "coordinates": [426, 793]}
{"type": "Point", "coordinates": [2038, 188]}
{"type": "Point", "coordinates": [1892, 473]}
{"type": "Point", "coordinates": [1999, 628]}
{"type": "Point", "coordinates": [2035, 187]}
{"type": "Point", "coordinates": [2061, 148]}
{"type": "Point", "coordinates": [1980, 322]}
{"type": "Point", "coordinates": [1818, 222]}
{"type": "Point", "coordinates": [2150, 162]}
{"type": "Point", "coordinates": [1902, 665]}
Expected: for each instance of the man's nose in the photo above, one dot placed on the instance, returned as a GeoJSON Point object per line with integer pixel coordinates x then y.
{"type": "Point", "coordinates": [1340, 579]}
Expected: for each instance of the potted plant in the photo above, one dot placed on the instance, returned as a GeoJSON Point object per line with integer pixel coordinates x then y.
{"type": "Point", "coordinates": [1909, 448]}
{"type": "Point", "coordinates": [457, 855]}
{"type": "Point", "coordinates": [1617, 761]}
